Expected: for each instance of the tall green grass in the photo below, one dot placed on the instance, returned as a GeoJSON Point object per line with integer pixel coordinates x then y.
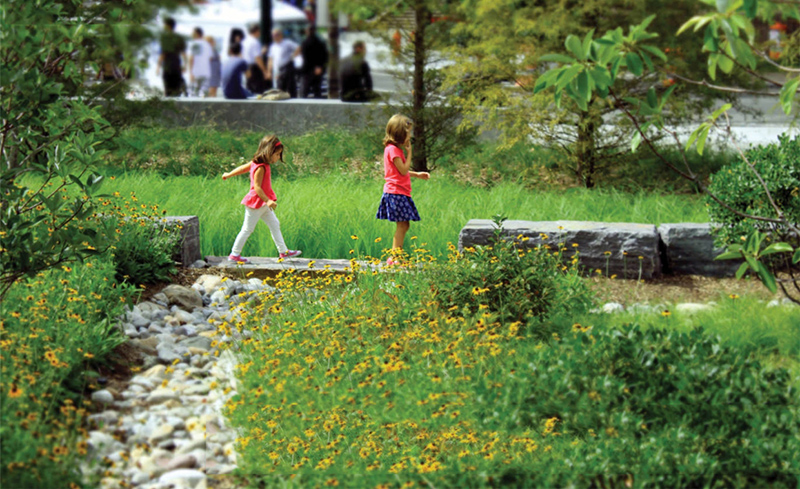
{"type": "Point", "coordinates": [319, 213]}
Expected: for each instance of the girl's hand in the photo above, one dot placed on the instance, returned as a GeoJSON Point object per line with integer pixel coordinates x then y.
{"type": "Point", "coordinates": [423, 175]}
{"type": "Point", "coordinates": [272, 204]}
{"type": "Point", "coordinates": [225, 175]}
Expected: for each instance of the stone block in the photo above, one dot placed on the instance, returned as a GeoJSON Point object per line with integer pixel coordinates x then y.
{"type": "Point", "coordinates": [688, 249]}
{"type": "Point", "coordinates": [189, 251]}
{"type": "Point", "coordinates": [612, 248]}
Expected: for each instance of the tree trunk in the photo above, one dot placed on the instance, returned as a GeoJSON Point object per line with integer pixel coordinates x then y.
{"type": "Point", "coordinates": [422, 19]}
{"type": "Point", "coordinates": [586, 153]}
{"type": "Point", "coordinates": [333, 59]}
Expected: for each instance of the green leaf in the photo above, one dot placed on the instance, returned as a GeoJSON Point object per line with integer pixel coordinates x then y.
{"type": "Point", "coordinates": [546, 80]}
{"type": "Point", "coordinates": [557, 58]}
{"type": "Point", "coordinates": [730, 255]}
{"type": "Point", "coordinates": [587, 44]}
{"type": "Point", "coordinates": [652, 100]}
{"type": "Point", "coordinates": [568, 75]}
{"type": "Point", "coordinates": [767, 278]}
{"type": "Point", "coordinates": [701, 140]}
{"type": "Point", "coordinates": [713, 59]}
{"type": "Point", "coordinates": [719, 111]}
{"type": "Point", "coordinates": [750, 7]}
{"type": "Point", "coordinates": [788, 92]}
{"type": "Point", "coordinates": [634, 63]}
{"type": "Point", "coordinates": [742, 270]}
{"type": "Point", "coordinates": [777, 248]}
{"type": "Point", "coordinates": [654, 51]}
{"type": "Point", "coordinates": [636, 140]}
{"type": "Point", "coordinates": [573, 45]}
{"type": "Point", "coordinates": [725, 64]}
{"type": "Point", "coordinates": [796, 258]}
{"type": "Point", "coordinates": [583, 86]}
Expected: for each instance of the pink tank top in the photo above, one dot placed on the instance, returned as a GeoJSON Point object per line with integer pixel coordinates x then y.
{"type": "Point", "coordinates": [252, 199]}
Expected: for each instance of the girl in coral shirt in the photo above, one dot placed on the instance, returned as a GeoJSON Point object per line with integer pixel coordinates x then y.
{"type": "Point", "coordinates": [261, 201]}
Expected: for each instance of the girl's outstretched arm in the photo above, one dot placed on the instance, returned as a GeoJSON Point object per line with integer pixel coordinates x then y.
{"type": "Point", "coordinates": [239, 170]}
{"type": "Point", "coordinates": [420, 174]}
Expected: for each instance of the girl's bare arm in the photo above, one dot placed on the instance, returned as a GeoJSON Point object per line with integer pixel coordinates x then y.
{"type": "Point", "coordinates": [420, 174]}
{"type": "Point", "coordinates": [237, 171]}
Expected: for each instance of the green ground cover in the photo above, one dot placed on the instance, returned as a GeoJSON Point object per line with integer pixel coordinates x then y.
{"type": "Point", "coordinates": [415, 378]}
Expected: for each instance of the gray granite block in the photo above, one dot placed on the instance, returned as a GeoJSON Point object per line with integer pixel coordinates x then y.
{"type": "Point", "coordinates": [612, 248]}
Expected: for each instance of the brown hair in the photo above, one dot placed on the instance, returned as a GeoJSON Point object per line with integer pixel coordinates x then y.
{"type": "Point", "coordinates": [266, 148]}
{"type": "Point", "coordinates": [397, 130]}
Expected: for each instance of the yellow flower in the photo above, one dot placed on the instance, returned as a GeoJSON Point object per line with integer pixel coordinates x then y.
{"type": "Point", "coordinates": [733, 296]}
{"type": "Point", "coordinates": [14, 391]}
{"type": "Point", "coordinates": [666, 313]}
{"type": "Point", "coordinates": [378, 239]}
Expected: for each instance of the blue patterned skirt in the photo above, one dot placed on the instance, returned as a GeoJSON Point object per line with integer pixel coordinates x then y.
{"type": "Point", "coordinates": [397, 208]}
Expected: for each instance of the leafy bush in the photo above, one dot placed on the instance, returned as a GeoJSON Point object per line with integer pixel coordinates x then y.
{"type": "Point", "coordinates": [144, 245]}
{"type": "Point", "coordinates": [51, 327]}
{"type": "Point", "coordinates": [737, 186]}
{"type": "Point", "coordinates": [511, 280]}
{"type": "Point", "coordinates": [649, 401]}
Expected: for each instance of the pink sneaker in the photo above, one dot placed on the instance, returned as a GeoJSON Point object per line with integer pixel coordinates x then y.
{"type": "Point", "coordinates": [391, 261]}
{"type": "Point", "coordinates": [291, 253]}
{"type": "Point", "coordinates": [237, 258]}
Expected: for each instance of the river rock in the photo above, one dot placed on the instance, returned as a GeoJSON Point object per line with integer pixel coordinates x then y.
{"type": "Point", "coordinates": [103, 397]}
{"type": "Point", "coordinates": [184, 297]}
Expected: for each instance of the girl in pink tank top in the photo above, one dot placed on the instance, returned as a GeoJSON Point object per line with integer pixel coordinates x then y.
{"type": "Point", "coordinates": [261, 201]}
{"type": "Point", "coordinates": [396, 204]}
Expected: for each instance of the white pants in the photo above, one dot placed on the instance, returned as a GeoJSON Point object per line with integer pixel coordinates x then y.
{"type": "Point", "coordinates": [251, 218]}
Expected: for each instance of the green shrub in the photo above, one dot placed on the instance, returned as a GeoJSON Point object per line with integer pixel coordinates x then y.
{"type": "Point", "coordinates": [650, 402]}
{"type": "Point", "coordinates": [144, 250]}
{"type": "Point", "coordinates": [515, 282]}
{"type": "Point", "coordinates": [52, 327]}
{"type": "Point", "coordinates": [737, 186]}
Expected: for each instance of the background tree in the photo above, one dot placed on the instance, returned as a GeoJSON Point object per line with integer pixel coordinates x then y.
{"type": "Point", "coordinates": [55, 123]}
{"type": "Point", "coordinates": [498, 64]}
{"type": "Point", "coordinates": [418, 33]}
{"type": "Point", "coordinates": [758, 193]}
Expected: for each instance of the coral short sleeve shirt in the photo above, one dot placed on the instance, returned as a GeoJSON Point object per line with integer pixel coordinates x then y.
{"type": "Point", "coordinates": [252, 199]}
{"type": "Point", "coordinates": [395, 182]}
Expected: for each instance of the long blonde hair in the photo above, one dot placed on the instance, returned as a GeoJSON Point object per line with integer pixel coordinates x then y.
{"type": "Point", "coordinates": [397, 130]}
{"type": "Point", "coordinates": [266, 148]}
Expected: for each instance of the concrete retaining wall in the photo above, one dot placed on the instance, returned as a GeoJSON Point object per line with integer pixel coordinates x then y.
{"type": "Point", "coordinates": [292, 117]}
{"type": "Point", "coordinates": [626, 250]}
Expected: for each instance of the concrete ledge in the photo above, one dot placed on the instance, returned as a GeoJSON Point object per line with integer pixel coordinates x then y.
{"type": "Point", "coordinates": [292, 116]}
{"type": "Point", "coordinates": [612, 248]}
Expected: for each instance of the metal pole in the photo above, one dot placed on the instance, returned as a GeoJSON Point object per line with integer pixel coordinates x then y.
{"type": "Point", "coordinates": [266, 22]}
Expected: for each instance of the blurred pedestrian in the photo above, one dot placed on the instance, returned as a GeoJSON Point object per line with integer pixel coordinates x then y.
{"type": "Point", "coordinates": [200, 54]}
{"type": "Point", "coordinates": [315, 59]}
{"type": "Point", "coordinates": [233, 70]}
{"type": "Point", "coordinates": [215, 80]}
{"type": "Point", "coordinates": [253, 53]}
{"type": "Point", "coordinates": [281, 55]}
{"type": "Point", "coordinates": [236, 36]}
{"type": "Point", "coordinates": [172, 60]}
{"type": "Point", "coordinates": [355, 81]}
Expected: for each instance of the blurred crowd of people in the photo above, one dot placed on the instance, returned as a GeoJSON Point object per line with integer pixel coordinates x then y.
{"type": "Point", "coordinates": [250, 69]}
